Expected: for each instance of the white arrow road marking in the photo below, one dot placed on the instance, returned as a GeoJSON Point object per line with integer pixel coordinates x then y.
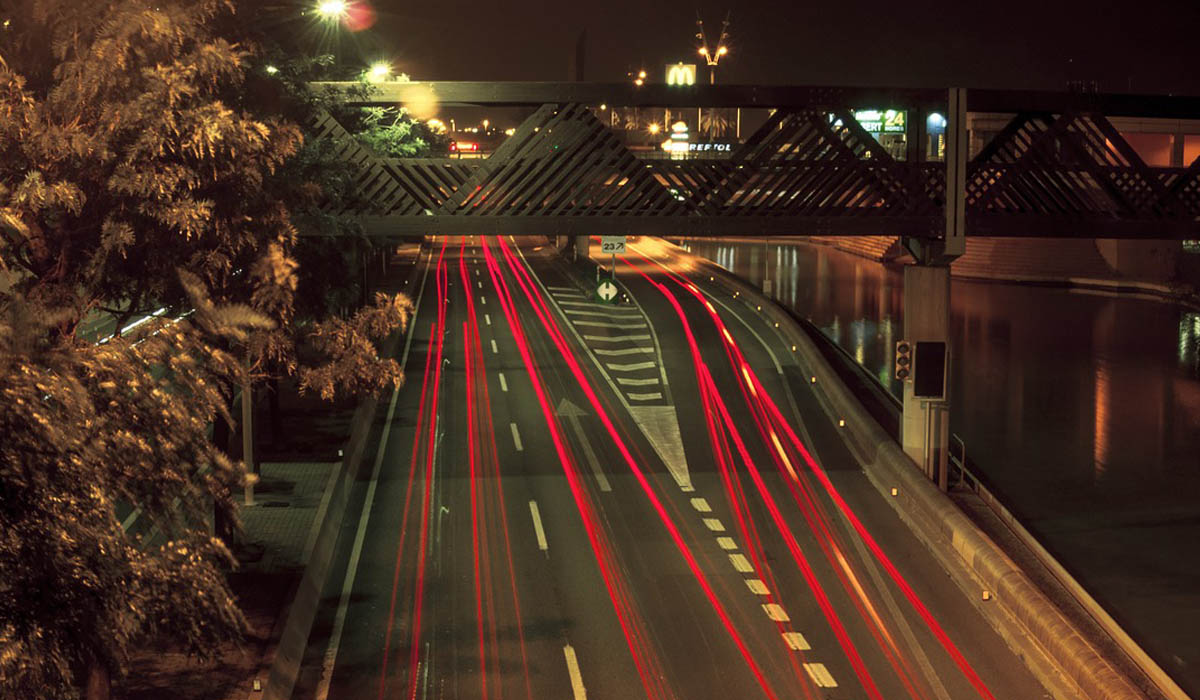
{"type": "Point", "coordinates": [572, 413]}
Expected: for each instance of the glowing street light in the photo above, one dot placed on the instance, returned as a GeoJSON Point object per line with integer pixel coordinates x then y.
{"type": "Point", "coordinates": [332, 9]}
{"type": "Point", "coordinates": [271, 70]}
{"type": "Point", "coordinates": [654, 128]}
{"type": "Point", "coordinates": [379, 72]}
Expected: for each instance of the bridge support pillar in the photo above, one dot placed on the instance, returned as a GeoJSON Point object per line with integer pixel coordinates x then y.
{"type": "Point", "coordinates": [583, 246]}
{"type": "Point", "coordinates": [925, 426]}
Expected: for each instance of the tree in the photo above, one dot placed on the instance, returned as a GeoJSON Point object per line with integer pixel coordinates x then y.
{"type": "Point", "coordinates": [138, 169]}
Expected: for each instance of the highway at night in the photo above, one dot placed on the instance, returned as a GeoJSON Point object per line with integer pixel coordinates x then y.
{"type": "Point", "coordinates": [574, 499]}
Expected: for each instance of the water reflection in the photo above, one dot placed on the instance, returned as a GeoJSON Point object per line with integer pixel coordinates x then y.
{"type": "Point", "coordinates": [1083, 410]}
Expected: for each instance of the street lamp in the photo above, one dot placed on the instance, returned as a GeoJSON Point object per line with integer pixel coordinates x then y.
{"type": "Point", "coordinates": [379, 72]}
{"type": "Point", "coordinates": [332, 10]}
{"type": "Point", "coordinates": [712, 57]}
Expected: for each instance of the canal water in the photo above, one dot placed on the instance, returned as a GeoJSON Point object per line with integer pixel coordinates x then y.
{"type": "Point", "coordinates": [1081, 409]}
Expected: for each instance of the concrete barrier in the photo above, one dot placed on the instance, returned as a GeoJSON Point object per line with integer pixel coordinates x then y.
{"type": "Point", "coordinates": [1043, 629]}
{"type": "Point", "coordinates": [293, 641]}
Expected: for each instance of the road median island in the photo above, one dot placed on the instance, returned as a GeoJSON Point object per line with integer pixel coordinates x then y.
{"type": "Point", "coordinates": [1035, 629]}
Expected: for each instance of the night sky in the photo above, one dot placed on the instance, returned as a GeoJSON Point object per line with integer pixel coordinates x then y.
{"type": "Point", "coordinates": [1147, 44]}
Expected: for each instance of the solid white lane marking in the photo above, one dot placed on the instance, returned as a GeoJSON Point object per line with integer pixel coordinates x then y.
{"type": "Point", "coordinates": [701, 505]}
{"type": "Point", "coordinates": [645, 397]}
{"type": "Point", "coordinates": [627, 381]}
{"type": "Point", "coordinates": [776, 612]}
{"type": "Point", "coordinates": [726, 543]}
{"type": "Point", "coordinates": [741, 563]}
{"type": "Point", "coordinates": [632, 367]}
{"type": "Point", "coordinates": [616, 338]}
{"type": "Point", "coordinates": [495, 350]}
{"type": "Point", "coordinates": [488, 318]}
{"type": "Point", "coordinates": [624, 351]}
{"type": "Point", "coordinates": [756, 586]}
{"type": "Point", "coordinates": [503, 383]}
{"type": "Point", "coordinates": [590, 304]}
{"type": "Point", "coordinates": [577, 689]}
{"type": "Point", "coordinates": [516, 437]}
{"type": "Point", "coordinates": [820, 675]}
{"type": "Point", "coordinates": [796, 641]}
{"type": "Point", "coordinates": [714, 524]}
{"type": "Point", "coordinates": [602, 324]}
{"type": "Point", "coordinates": [537, 526]}
{"type": "Point", "coordinates": [562, 289]}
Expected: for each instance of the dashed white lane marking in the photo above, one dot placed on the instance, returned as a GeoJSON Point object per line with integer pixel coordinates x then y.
{"type": "Point", "coordinates": [796, 641]}
{"type": "Point", "coordinates": [726, 543]}
{"type": "Point", "coordinates": [538, 531]}
{"type": "Point", "coordinates": [495, 350]}
{"type": "Point", "coordinates": [516, 437]}
{"type": "Point", "coordinates": [756, 586]}
{"type": "Point", "coordinates": [632, 367]}
{"type": "Point", "coordinates": [624, 351]}
{"type": "Point", "coordinates": [741, 563]}
{"type": "Point", "coordinates": [479, 283]}
{"type": "Point", "coordinates": [615, 338]}
{"type": "Point", "coordinates": [577, 688]}
{"type": "Point", "coordinates": [776, 612]}
{"type": "Point", "coordinates": [488, 318]}
{"type": "Point", "coordinates": [714, 524]}
{"type": "Point", "coordinates": [653, 396]}
{"type": "Point", "coordinates": [482, 299]}
{"type": "Point", "coordinates": [503, 383]}
{"type": "Point", "coordinates": [626, 381]}
{"type": "Point", "coordinates": [603, 324]}
{"type": "Point", "coordinates": [701, 505]}
{"type": "Point", "coordinates": [820, 675]}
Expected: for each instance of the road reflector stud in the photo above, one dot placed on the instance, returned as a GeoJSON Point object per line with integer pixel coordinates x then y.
{"type": "Point", "coordinates": [777, 324]}
{"type": "Point", "coordinates": [987, 595]}
{"type": "Point", "coordinates": [841, 423]}
{"type": "Point", "coordinates": [812, 379]}
{"type": "Point", "coordinates": [895, 491]}
{"type": "Point", "coordinates": [793, 348]}
{"type": "Point", "coordinates": [758, 307]}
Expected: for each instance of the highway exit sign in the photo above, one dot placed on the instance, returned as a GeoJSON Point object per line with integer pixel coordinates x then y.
{"type": "Point", "coordinates": [612, 245]}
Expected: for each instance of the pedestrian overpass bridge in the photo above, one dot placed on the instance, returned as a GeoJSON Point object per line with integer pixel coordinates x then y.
{"type": "Point", "coordinates": [1059, 167]}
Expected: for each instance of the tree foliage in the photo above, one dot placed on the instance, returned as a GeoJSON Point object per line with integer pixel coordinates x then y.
{"type": "Point", "coordinates": [143, 164]}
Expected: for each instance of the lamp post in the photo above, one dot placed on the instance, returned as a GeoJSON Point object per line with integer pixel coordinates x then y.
{"type": "Point", "coordinates": [713, 57]}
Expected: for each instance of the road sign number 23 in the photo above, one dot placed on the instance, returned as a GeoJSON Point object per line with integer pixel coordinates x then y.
{"type": "Point", "coordinates": [612, 245]}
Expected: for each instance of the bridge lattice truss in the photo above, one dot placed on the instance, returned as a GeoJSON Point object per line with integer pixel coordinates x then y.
{"type": "Point", "coordinates": [804, 172]}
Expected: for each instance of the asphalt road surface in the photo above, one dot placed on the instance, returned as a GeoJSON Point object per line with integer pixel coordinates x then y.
{"type": "Point", "coordinates": [571, 499]}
